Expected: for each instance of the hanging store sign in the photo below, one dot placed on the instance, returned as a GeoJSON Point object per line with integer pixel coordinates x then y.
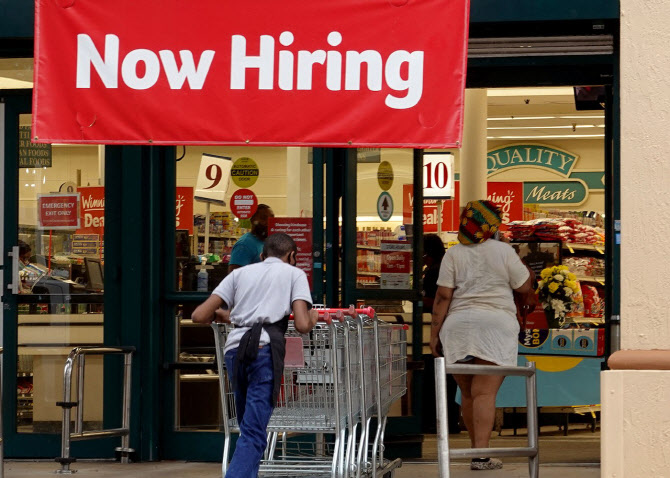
{"type": "Point", "coordinates": [244, 172]}
{"type": "Point", "coordinates": [385, 206]}
{"type": "Point", "coordinates": [531, 155]}
{"type": "Point", "coordinates": [92, 210]}
{"type": "Point", "coordinates": [438, 176]}
{"type": "Point", "coordinates": [385, 175]}
{"type": "Point", "coordinates": [58, 211]}
{"type": "Point", "coordinates": [32, 155]}
{"type": "Point", "coordinates": [508, 196]}
{"type": "Point", "coordinates": [383, 73]}
{"type": "Point", "coordinates": [300, 230]}
{"type": "Point", "coordinates": [213, 178]}
{"type": "Point", "coordinates": [243, 203]}
{"type": "Point", "coordinates": [184, 209]}
{"type": "Point", "coordinates": [559, 193]}
{"type": "Point", "coordinates": [395, 267]}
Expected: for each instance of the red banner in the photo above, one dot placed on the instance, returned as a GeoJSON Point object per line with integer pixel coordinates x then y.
{"type": "Point", "coordinates": [184, 209]}
{"type": "Point", "coordinates": [300, 230]}
{"type": "Point", "coordinates": [375, 73]}
{"type": "Point", "coordinates": [58, 211]}
{"type": "Point", "coordinates": [92, 210]}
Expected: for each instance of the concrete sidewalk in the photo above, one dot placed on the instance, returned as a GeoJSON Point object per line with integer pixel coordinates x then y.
{"type": "Point", "coordinates": [33, 469]}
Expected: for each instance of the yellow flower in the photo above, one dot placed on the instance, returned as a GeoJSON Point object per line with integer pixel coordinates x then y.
{"type": "Point", "coordinates": [546, 273]}
{"type": "Point", "coordinates": [553, 287]}
{"type": "Point", "coordinates": [571, 276]}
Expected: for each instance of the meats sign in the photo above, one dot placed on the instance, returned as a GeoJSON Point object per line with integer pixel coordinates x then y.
{"type": "Point", "coordinates": [373, 73]}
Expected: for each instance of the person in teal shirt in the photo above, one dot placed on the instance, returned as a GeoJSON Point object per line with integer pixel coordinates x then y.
{"type": "Point", "coordinates": [248, 248]}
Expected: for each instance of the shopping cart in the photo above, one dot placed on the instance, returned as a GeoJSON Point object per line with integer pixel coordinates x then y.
{"type": "Point", "coordinates": [326, 396]}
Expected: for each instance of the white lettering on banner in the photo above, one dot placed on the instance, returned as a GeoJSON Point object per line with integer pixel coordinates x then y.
{"type": "Point", "coordinates": [504, 203]}
{"type": "Point", "coordinates": [391, 72]}
{"type": "Point", "coordinates": [92, 221]}
{"type": "Point", "coordinates": [398, 77]}
{"type": "Point", "coordinates": [93, 204]}
{"type": "Point", "coordinates": [88, 56]}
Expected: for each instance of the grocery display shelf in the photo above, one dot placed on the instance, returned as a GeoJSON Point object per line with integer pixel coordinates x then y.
{"type": "Point", "coordinates": [572, 247]}
{"type": "Point", "coordinates": [371, 274]}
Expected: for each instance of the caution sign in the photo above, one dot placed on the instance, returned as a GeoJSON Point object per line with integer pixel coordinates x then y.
{"type": "Point", "coordinates": [385, 206]}
{"type": "Point", "coordinates": [385, 175]}
{"type": "Point", "coordinates": [244, 172]}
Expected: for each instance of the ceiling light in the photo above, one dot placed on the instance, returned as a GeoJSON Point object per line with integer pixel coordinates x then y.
{"type": "Point", "coordinates": [507, 118]}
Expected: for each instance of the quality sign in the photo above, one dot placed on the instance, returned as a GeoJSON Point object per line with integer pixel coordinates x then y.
{"type": "Point", "coordinates": [379, 73]}
{"type": "Point", "coordinates": [560, 193]}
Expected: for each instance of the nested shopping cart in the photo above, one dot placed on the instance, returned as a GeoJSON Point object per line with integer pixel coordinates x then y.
{"type": "Point", "coordinates": [347, 370]}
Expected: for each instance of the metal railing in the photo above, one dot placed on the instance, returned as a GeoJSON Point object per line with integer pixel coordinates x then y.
{"type": "Point", "coordinates": [443, 451]}
{"type": "Point", "coordinates": [77, 358]}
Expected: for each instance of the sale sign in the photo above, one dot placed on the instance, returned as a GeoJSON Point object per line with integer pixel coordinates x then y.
{"type": "Point", "coordinates": [92, 210]}
{"type": "Point", "coordinates": [383, 73]}
{"type": "Point", "coordinates": [58, 211]}
{"type": "Point", "coordinates": [184, 209]}
{"type": "Point", "coordinates": [243, 203]}
{"type": "Point", "coordinates": [300, 230]}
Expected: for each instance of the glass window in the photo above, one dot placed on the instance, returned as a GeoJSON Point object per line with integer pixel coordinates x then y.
{"type": "Point", "coordinates": [61, 274]}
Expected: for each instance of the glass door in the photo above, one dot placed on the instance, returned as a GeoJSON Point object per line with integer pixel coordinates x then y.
{"type": "Point", "coordinates": [53, 258]}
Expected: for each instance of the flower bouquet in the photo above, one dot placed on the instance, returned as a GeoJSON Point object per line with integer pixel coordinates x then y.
{"type": "Point", "coordinates": [560, 293]}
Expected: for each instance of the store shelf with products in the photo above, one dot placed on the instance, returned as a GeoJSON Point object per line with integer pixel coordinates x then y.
{"type": "Point", "coordinates": [224, 231]}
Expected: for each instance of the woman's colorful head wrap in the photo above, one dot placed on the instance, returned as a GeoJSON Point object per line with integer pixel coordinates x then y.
{"type": "Point", "coordinates": [479, 221]}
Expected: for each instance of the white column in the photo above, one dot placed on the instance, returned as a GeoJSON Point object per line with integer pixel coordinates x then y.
{"type": "Point", "coordinates": [298, 183]}
{"type": "Point", "coordinates": [636, 415]}
{"type": "Point", "coordinates": [473, 152]}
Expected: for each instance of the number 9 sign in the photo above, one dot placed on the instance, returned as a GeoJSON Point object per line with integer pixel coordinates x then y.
{"type": "Point", "coordinates": [438, 175]}
{"type": "Point", "coordinates": [213, 178]}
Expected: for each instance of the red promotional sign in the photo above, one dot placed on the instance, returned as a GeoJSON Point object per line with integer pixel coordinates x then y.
{"type": "Point", "coordinates": [377, 73]}
{"type": "Point", "coordinates": [58, 211]}
{"type": "Point", "coordinates": [507, 195]}
{"type": "Point", "coordinates": [300, 230]}
{"type": "Point", "coordinates": [92, 210]}
{"type": "Point", "coordinates": [184, 209]}
{"type": "Point", "coordinates": [243, 203]}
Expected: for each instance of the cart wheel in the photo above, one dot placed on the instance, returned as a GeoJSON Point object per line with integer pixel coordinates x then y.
{"type": "Point", "coordinates": [388, 475]}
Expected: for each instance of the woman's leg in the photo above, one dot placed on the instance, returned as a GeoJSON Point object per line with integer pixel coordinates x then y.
{"type": "Point", "coordinates": [465, 384]}
{"type": "Point", "coordinates": [483, 390]}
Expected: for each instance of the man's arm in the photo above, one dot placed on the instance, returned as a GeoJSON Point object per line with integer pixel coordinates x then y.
{"type": "Point", "coordinates": [440, 310]}
{"type": "Point", "coordinates": [210, 311]}
{"type": "Point", "coordinates": [303, 317]}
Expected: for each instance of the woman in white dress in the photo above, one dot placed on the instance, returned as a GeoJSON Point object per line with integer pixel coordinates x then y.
{"type": "Point", "coordinates": [475, 297]}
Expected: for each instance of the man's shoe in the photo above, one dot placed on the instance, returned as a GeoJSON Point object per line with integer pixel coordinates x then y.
{"type": "Point", "coordinates": [487, 464]}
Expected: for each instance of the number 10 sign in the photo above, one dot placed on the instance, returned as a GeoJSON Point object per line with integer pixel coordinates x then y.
{"type": "Point", "coordinates": [438, 175]}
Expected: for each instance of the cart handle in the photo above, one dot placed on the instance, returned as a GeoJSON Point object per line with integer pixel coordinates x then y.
{"type": "Point", "coordinates": [327, 315]}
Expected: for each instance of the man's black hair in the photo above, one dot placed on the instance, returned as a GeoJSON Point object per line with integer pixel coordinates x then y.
{"type": "Point", "coordinates": [24, 247]}
{"type": "Point", "coordinates": [261, 207]}
{"type": "Point", "coordinates": [433, 246]}
{"type": "Point", "coordinates": [278, 245]}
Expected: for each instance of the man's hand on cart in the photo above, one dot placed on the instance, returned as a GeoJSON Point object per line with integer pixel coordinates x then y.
{"type": "Point", "coordinates": [221, 316]}
{"type": "Point", "coordinates": [304, 318]}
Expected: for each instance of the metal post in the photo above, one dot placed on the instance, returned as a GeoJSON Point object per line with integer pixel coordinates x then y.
{"type": "Point", "coordinates": [127, 380]}
{"type": "Point", "coordinates": [532, 423]}
{"type": "Point", "coordinates": [441, 416]}
{"type": "Point", "coordinates": [79, 424]}
{"type": "Point", "coordinates": [65, 433]}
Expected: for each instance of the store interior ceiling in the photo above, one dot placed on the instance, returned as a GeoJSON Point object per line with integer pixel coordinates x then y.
{"type": "Point", "coordinates": [545, 113]}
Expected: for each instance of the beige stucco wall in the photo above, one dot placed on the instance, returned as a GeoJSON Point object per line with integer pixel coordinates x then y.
{"type": "Point", "coordinates": [645, 174]}
{"type": "Point", "coordinates": [636, 414]}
